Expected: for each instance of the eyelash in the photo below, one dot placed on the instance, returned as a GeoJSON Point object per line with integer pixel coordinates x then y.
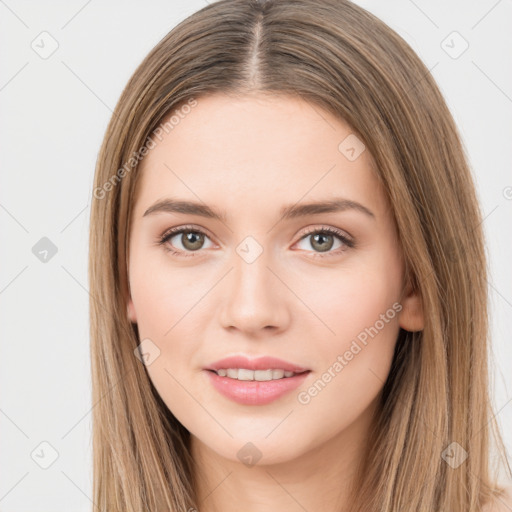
{"type": "Point", "coordinates": [347, 242]}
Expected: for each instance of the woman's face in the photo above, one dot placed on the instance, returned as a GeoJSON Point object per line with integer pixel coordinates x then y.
{"type": "Point", "coordinates": [247, 279]}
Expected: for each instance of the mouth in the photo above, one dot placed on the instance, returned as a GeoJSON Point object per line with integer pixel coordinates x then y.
{"type": "Point", "coordinates": [245, 374]}
{"type": "Point", "coordinates": [255, 381]}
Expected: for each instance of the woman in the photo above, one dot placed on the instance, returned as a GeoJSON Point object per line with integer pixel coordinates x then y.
{"type": "Point", "coordinates": [287, 273]}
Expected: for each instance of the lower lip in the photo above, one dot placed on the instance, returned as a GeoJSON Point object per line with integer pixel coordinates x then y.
{"type": "Point", "coordinates": [252, 392]}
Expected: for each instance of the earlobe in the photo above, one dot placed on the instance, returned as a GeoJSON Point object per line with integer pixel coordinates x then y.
{"type": "Point", "coordinates": [130, 310]}
{"type": "Point", "coordinates": [411, 317]}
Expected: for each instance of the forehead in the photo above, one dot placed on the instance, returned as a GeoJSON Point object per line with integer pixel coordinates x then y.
{"type": "Point", "coordinates": [233, 152]}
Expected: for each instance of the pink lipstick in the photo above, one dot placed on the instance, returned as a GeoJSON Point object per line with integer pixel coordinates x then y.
{"type": "Point", "coordinates": [255, 381]}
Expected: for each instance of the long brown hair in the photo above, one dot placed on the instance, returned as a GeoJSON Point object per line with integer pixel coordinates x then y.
{"type": "Point", "coordinates": [341, 58]}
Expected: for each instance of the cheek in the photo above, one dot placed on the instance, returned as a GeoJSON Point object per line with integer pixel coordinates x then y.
{"type": "Point", "coordinates": [345, 387]}
{"type": "Point", "coordinates": [352, 357]}
{"type": "Point", "coordinates": [163, 295]}
{"type": "Point", "coordinates": [343, 304]}
{"type": "Point", "coordinates": [168, 304]}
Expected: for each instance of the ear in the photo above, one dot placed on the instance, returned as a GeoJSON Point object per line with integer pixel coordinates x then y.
{"type": "Point", "coordinates": [130, 310]}
{"type": "Point", "coordinates": [411, 317]}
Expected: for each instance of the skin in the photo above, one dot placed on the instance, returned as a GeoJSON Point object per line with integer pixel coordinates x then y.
{"type": "Point", "coordinates": [249, 156]}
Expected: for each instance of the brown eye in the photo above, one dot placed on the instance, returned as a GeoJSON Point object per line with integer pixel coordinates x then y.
{"type": "Point", "coordinates": [192, 240]}
{"type": "Point", "coordinates": [322, 242]}
{"type": "Point", "coordinates": [181, 241]}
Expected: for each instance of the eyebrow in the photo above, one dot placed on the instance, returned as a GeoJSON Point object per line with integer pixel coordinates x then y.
{"type": "Point", "coordinates": [339, 204]}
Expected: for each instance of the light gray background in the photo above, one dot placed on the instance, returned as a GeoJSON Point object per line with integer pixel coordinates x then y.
{"type": "Point", "coordinates": [54, 114]}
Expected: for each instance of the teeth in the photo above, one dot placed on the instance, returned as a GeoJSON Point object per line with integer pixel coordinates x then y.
{"type": "Point", "coordinates": [277, 374]}
{"type": "Point", "coordinates": [259, 375]}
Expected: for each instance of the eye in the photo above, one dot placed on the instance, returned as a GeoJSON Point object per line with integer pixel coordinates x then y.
{"type": "Point", "coordinates": [323, 239]}
{"type": "Point", "coordinates": [191, 240]}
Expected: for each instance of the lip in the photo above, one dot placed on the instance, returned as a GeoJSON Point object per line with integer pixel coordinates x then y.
{"type": "Point", "coordinates": [260, 363]}
{"type": "Point", "coordinates": [254, 392]}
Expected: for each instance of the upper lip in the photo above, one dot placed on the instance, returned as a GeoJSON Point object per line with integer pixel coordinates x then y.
{"type": "Point", "coordinates": [260, 363]}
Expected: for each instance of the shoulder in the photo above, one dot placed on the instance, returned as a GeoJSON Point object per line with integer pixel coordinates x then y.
{"type": "Point", "coordinates": [502, 503]}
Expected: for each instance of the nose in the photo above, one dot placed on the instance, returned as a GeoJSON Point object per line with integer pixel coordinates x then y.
{"type": "Point", "coordinates": [255, 299]}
